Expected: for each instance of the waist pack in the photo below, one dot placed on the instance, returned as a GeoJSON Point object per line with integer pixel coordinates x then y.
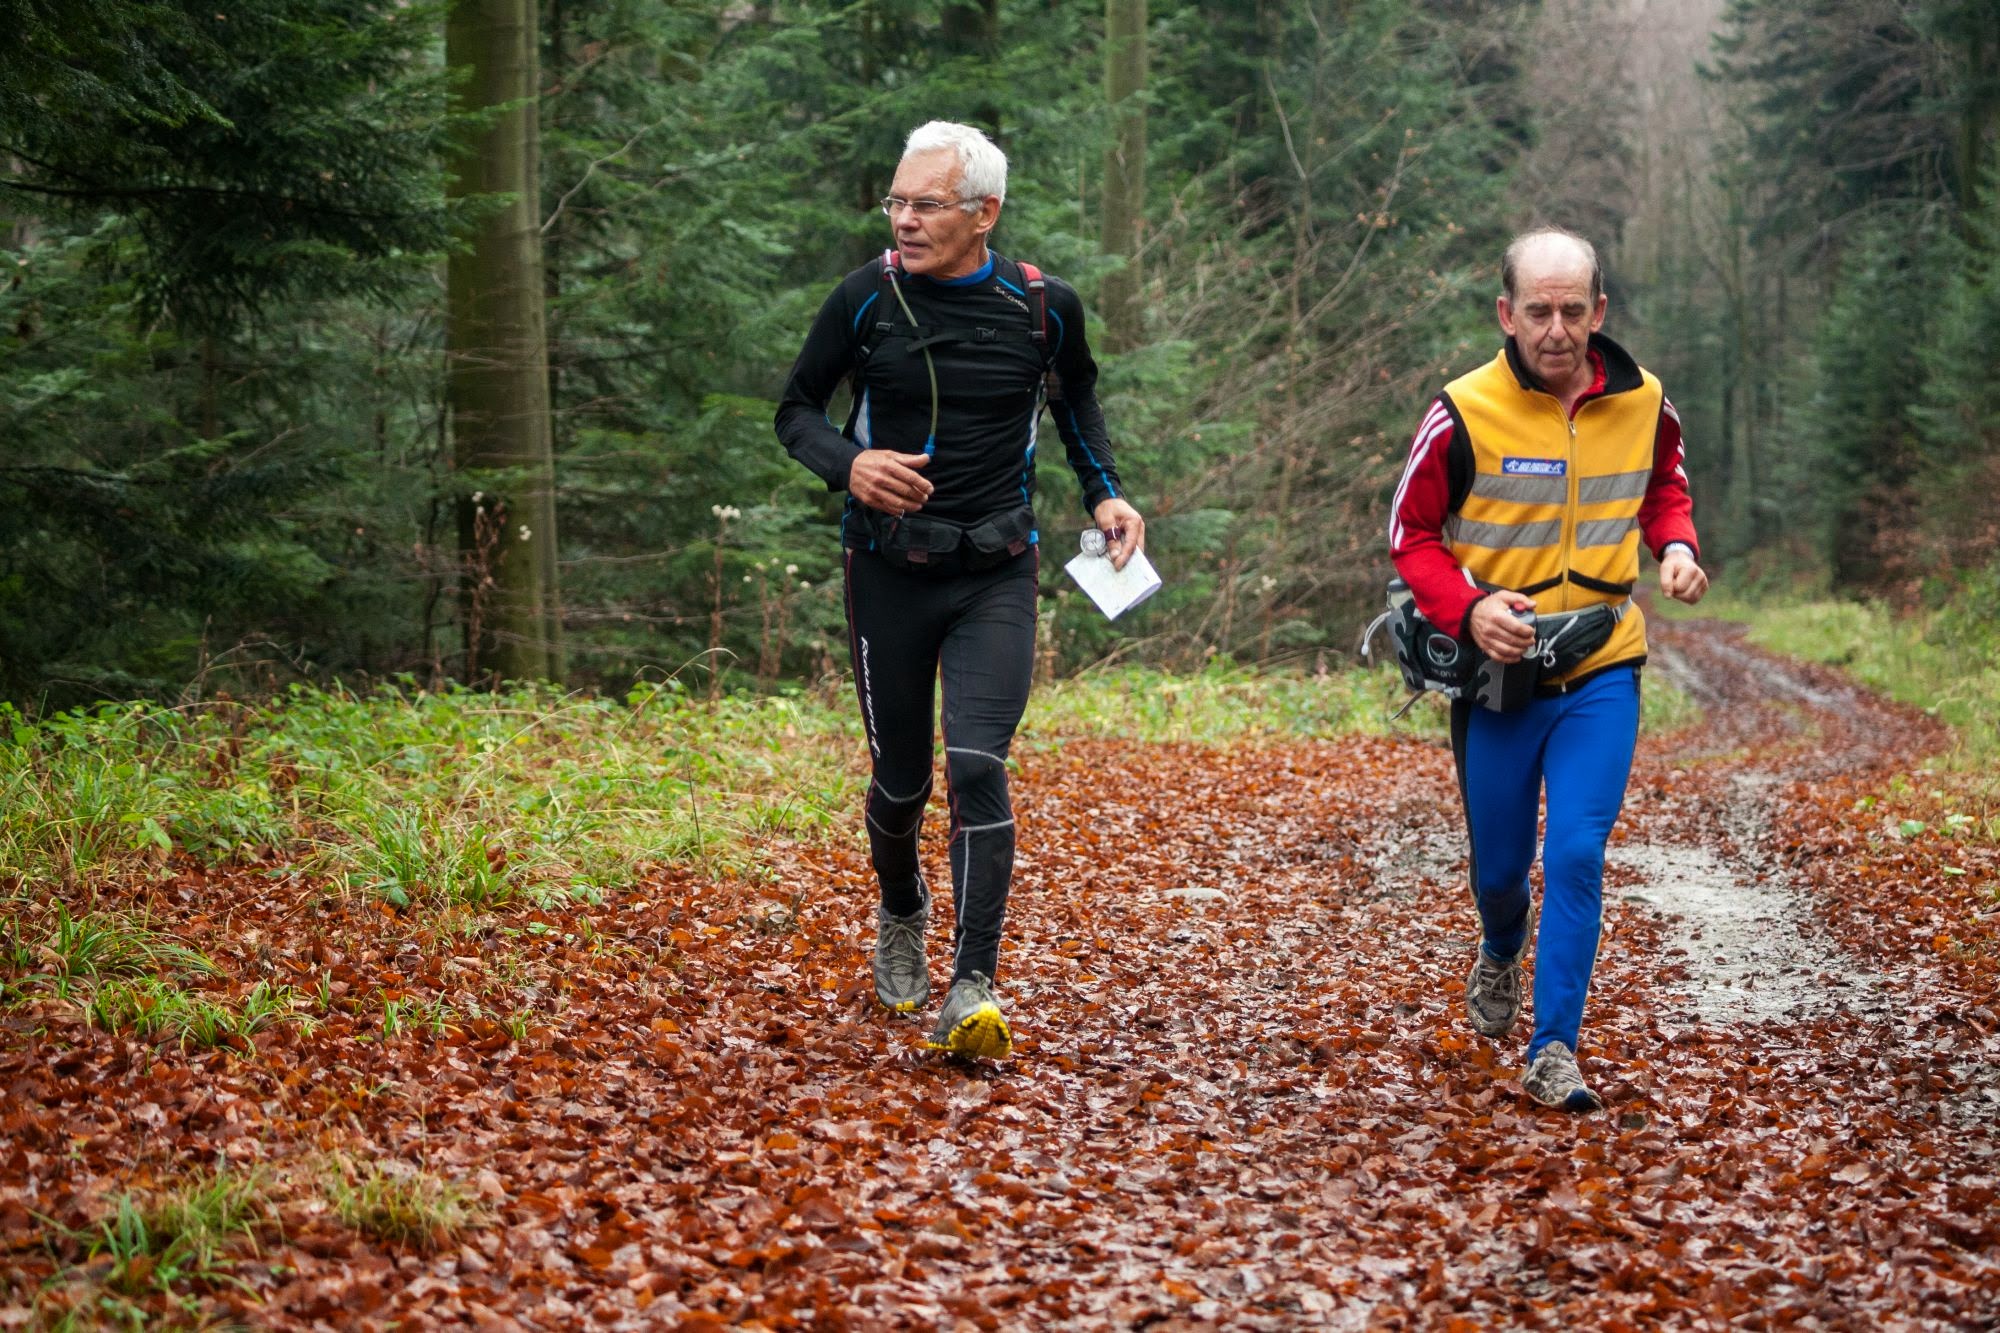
{"type": "Point", "coordinates": [928, 544]}
{"type": "Point", "coordinates": [1432, 660]}
{"type": "Point", "coordinates": [1562, 642]}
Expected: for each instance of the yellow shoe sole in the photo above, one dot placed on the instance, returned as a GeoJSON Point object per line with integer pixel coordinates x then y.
{"type": "Point", "coordinates": [981, 1034]}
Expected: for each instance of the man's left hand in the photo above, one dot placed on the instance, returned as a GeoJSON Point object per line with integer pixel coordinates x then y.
{"type": "Point", "coordinates": [1124, 531]}
{"type": "Point", "coordinates": [1681, 578]}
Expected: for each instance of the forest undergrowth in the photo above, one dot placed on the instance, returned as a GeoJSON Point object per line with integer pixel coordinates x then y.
{"type": "Point", "coordinates": [533, 1007]}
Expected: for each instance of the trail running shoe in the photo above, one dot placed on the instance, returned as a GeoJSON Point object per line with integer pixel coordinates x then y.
{"type": "Point", "coordinates": [1493, 993]}
{"type": "Point", "coordinates": [1554, 1080]}
{"type": "Point", "coordinates": [971, 1023]}
{"type": "Point", "coordinates": [902, 972]}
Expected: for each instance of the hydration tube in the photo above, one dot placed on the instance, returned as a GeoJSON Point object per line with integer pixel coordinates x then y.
{"type": "Point", "coordinates": [930, 439]}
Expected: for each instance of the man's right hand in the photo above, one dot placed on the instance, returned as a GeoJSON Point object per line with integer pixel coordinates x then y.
{"type": "Point", "coordinates": [1494, 628]}
{"type": "Point", "coordinates": [890, 482]}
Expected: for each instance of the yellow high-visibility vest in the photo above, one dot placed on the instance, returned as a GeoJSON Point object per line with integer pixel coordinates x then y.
{"type": "Point", "coordinates": [1553, 510]}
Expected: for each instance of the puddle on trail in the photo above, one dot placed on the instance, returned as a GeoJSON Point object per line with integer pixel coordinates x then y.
{"type": "Point", "coordinates": [1753, 954]}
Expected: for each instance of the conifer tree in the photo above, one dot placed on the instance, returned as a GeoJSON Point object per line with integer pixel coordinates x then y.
{"type": "Point", "coordinates": [186, 192]}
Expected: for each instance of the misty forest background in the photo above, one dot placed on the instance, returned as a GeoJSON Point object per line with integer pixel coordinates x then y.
{"type": "Point", "coordinates": [369, 338]}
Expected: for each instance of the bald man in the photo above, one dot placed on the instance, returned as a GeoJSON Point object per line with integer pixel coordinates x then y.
{"type": "Point", "coordinates": [1531, 484]}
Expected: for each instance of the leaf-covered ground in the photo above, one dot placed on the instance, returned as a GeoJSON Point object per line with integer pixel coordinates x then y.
{"type": "Point", "coordinates": [1244, 1094]}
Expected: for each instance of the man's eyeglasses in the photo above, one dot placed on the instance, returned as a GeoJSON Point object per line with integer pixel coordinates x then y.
{"type": "Point", "coordinates": [923, 208]}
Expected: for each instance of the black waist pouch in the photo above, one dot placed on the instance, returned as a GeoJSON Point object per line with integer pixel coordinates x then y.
{"type": "Point", "coordinates": [1562, 641]}
{"type": "Point", "coordinates": [925, 544]}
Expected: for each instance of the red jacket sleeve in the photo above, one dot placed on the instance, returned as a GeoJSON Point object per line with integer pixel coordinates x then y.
{"type": "Point", "coordinates": [1666, 515]}
{"type": "Point", "coordinates": [1445, 593]}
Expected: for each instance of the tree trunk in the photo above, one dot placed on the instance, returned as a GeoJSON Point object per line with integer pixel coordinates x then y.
{"type": "Point", "coordinates": [211, 372]}
{"type": "Point", "coordinates": [1982, 103]}
{"type": "Point", "coordinates": [1750, 340]}
{"type": "Point", "coordinates": [545, 551]}
{"type": "Point", "coordinates": [496, 367]}
{"type": "Point", "coordinates": [1124, 212]}
{"type": "Point", "coordinates": [972, 28]}
{"type": "Point", "coordinates": [555, 67]}
{"type": "Point", "coordinates": [868, 183]}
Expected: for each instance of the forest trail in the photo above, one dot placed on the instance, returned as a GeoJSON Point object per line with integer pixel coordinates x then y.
{"type": "Point", "coordinates": [1244, 1095]}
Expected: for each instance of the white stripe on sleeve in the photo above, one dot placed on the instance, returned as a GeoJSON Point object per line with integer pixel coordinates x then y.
{"type": "Point", "coordinates": [1436, 422]}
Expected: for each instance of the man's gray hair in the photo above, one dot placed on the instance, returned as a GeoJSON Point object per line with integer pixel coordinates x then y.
{"type": "Point", "coordinates": [1510, 262]}
{"type": "Point", "coordinates": [984, 165]}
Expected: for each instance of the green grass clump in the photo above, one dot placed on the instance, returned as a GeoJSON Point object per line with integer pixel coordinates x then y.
{"type": "Point", "coordinates": [47, 949]}
{"type": "Point", "coordinates": [410, 1014]}
{"type": "Point", "coordinates": [181, 1236]}
{"type": "Point", "coordinates": [76, 794]}
{"type": "Point", "coordinates": [125, 976]}
{"type": "Point", "coordinates": [152, 1007]}
{"type": "Point", "coordinates": [402, 1205]}
{"type": "Point", "coordinates": [156, 1008]}
{"type": "Point", "coordinates": [408, 852]}
{"type": "Point", "coordinates": [97, 945]}
{"type": "Point", "coordinates": [1217, 706]}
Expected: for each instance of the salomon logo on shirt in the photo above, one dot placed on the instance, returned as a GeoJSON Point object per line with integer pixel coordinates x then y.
{"type": "Point", "coordinates": [1534, 467]}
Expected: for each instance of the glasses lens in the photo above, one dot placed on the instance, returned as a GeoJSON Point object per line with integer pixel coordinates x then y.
{"type": "Point", "coordinates": [923, 208]}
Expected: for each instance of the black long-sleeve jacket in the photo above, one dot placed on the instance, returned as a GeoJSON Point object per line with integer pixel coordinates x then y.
{"type": "Point", "coordinates": [990, 393]}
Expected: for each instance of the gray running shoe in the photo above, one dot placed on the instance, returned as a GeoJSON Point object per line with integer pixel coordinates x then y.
{"type": "Point", "coordinates": [971, 1023]}
{"type": "Point", "coordinates": [1493, 993]}
{"type": "Point", "coordinates": [902, 972]}
{"type": "Point", "coordinates": [1554, 1080]}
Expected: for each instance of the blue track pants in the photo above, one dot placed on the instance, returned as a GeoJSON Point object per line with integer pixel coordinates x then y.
{"type": "Point", "coordinates": [1579, 745]}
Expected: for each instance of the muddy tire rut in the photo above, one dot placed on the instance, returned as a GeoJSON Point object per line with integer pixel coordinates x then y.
{"type": "Point", "coordinates": [1756, 949]}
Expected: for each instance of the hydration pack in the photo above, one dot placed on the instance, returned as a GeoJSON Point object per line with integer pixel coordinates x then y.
{"type": "Point", "coordinates": [924, 336]}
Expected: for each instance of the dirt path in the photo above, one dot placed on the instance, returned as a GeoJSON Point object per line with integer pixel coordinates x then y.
{"type": "Point", "coordinates": [1244, 1095]}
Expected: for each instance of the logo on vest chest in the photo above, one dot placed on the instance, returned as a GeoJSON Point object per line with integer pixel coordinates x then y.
{"type": "Point", "coordinates": [1534, 467]}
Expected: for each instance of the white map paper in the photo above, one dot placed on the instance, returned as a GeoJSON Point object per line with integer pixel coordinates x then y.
{"type": "Point", "coordinates": [1115, 591]}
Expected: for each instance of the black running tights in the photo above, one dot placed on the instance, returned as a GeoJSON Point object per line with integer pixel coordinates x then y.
{"type": "Point", "coordinates": [976, 633]}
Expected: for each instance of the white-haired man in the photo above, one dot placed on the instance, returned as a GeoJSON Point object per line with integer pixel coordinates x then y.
{"type": "Point", "coordinates": [1532, 483]}
{"type": "Point", "coordinates": [953, 351]}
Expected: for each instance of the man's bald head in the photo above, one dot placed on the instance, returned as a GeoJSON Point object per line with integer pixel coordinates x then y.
{"type": "Point", "coordinates": [1553, 304]}
{"type": "Point", "coordinates": [1546, 250]}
